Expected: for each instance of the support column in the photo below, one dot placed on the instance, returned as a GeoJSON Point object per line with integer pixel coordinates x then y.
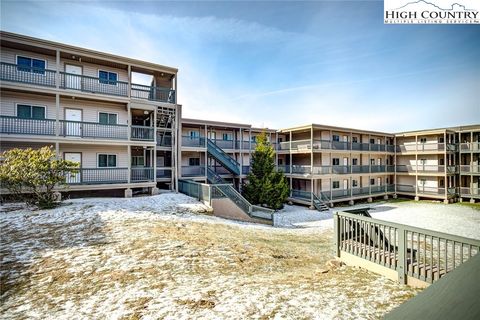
{"type": "Point", "coordinates": [311, 164]}
{"type": "Point", "coordinates": [129, 85]}
{"type": "Point", "coordinates": [57, 115]}
{"type": "Point", "coordinates": [416, 168]}
{"type": "Point", "coordinates": [446, 165]}
{"type": "Point", "coordinates": [129, 163]}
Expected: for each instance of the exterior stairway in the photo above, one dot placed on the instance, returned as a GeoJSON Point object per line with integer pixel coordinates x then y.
{"type": "Point", "coordinates": [213, 177]}
{"type": "Point", "coordinates": [223, 158]}
{"type": "Point", "coordinates": [319, 204]}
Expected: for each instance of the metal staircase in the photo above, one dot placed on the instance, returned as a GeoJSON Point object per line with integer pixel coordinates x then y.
{"type": "Point", "coordinates": [227, 190]}
{"type": "Point", "coordinates": [319, 204]}
{"type": "Point", "coordinates": [223, 158]}
{"type": "Point", "coordinates": [213, 177]}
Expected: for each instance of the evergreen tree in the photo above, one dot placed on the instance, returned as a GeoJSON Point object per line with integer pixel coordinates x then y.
{"type": "Point", "coordinates": [265, 185]}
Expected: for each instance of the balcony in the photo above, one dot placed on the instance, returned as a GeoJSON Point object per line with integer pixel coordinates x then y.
{"type": "Point", "coordinates": [14, 125]}
{"type": "Point", "coordinates": [321, 170]}
{"type": "Point", "coordinates": [338, 194]}
{"type": "Point", "coordinates": [427, 147]}
{"type": "Point", "coordinates": [196, 142]}
{"type": "Point", "coordinates": [470, 169]}
{"type": "Point", "coordinates": [164, 141]}
{"type": "Point", "coordinates": [93, 130]}
{"type": "Point", "coordinates": [21, 74]}
{"type": "Point", "coordinates": [151, 93]}
{"type": "Point", "coordinates": [86, 176]}
{"type": "Point", "coordinates": [307, 144]}
{"type": "Point", "coordinates": [427, 169]}
{"type": "Point", "coordinates": [164, 173]}
{"type": "Point", "coordinates": [141, 174]}
{"type": "Point", "coordinates": [224, 144]}
{"type": "Point", "coordinates": [93, 84]}
{"type": "Point", "coordinates": [467, 147]}
{"type": "Point", "coordinates": [47, 78]}
{"type": "Point", "coordinates": [470, 192]}
{"type": "Point", "coordinates": [142, 133]}
{"type": "Point", "coordinates": [193, 171]}
{"type": "Point", "coordinates": [425, 190]}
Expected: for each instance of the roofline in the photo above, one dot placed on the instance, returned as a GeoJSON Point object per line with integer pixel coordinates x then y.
{"type": "Point", "coordinates": [225, 124]}
{"type": "Point", "coordinates": [52, 45]}
{"type": "Point", "coordinates": [471, 127]}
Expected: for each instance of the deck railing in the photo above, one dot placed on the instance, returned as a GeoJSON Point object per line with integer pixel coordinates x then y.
{"type": "Point", "coordinates": [470, 147]}
{"type": "Point", "coordinates": [98, 176]}
{"type": "Point", "coordinates": [164, 172]}
{"type": "Point", "coordinates": [470, 168]}
{"type": "Point", "coordinates": [419, 253]}
{"type": "Point", "coordinates": [164, 141]}
{"type": "Point", "coordinates": [14, 125]}
{"type": "Point", "coordinates": [93, 84]}
{"type": "Point", "coordinates": [193, 171]}
{"type": "Point", "coordinates": [161, 94]}
{"type": "Point", "coordinates": [93, 130]}
{"type": "Point", "coordinates": [188, 141]}
{"type": "Point", "coordinates": [142, 133]}
{"type": "Point", "coordinates": [142, 174]}
{"type": "Point", "coordinates": [474, 192]}
{"type": "Point", "coordinates": [426, 147]}
{"type": "Point", "coordinates": [307, 144]}
{"type": "Point", "coordinates": [31, 75]}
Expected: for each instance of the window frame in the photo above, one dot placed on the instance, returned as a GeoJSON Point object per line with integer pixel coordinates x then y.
{"type": "Point", "coordinates": [333, 161]}
{"type": "Point", "coordinates": [227, 135]}
{"type": "Point", "coordinates": [31, 64]}
{"type": "Point", "coordinates": [31, 109]}
{"type": "Point", "coordinates": [107, 154]}
{"type": "Point", "coordinates": [194, 136]}
{"type": "Point", "coordinates": [335, 138]}
{"type": "Point", "coordinates": [354, 183]}
{"type": "Point", "coordinates": [108, 81]}
{"type": "Point", "coordinates": [337, 183]}
{"type": "Point", "coordinates": [109, 113]}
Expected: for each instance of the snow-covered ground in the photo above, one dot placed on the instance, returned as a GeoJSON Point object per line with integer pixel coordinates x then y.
{"type": "Point", "coordinates": [165, 257]}
{"type": "Point", "coordinates": [449, 218]}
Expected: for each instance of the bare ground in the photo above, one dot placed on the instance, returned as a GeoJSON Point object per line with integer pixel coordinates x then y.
{"type": "Point", "coordinates": [157, 258]}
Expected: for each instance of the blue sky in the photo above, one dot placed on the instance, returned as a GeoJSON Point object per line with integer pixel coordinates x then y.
{"type": "Point", "coordinates": [281, 64]}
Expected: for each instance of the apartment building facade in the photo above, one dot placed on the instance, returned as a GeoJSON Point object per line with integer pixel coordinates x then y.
{"type": "Point", "coordinates": [119, 118]}
{"type": "Point", "coordinates": [87, 105]}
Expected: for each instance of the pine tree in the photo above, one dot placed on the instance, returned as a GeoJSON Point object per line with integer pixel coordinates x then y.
{"type": "Point", "coordinates": [265, 185]}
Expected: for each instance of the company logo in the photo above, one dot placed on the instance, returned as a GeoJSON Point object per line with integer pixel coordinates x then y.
{"type": "Point", "coordinates": [431, 11]}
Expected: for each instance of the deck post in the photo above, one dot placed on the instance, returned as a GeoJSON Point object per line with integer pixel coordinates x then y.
{"type": "Point", "coordinates": [336, 226]}
{"type": "Point", "coordinates": [402, 249]}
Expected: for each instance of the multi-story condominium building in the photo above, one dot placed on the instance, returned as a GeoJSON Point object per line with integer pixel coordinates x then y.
{"type": "Point", "coordinates": [332, 164]}
{"type": "Point", "coordinates": [213, 151]}
{"type": "Point", "coordinates": [88, 105]}
{"type": "Point", "coordinates": [119, 118]}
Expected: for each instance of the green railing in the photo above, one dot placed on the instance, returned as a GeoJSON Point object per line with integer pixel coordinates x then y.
{"type": "Point", "coordinates": [142, 174]}
{"type": "Point", "coordinates": [98, 176]}
{"type": "Point", "coordinates": [142, 133]}
{"type": "Point", "coordinates": [37, 76]}
{"type": "Point", "coordinates": [14, 125]}
{"type": "Point", "coordinates": [199, 191]}
{"type": "Point", "coordinates": [419, 253]}
{"type": "Point", "coordinates": [93, 84]}
{"type": "Point", "coordinates": [227, 161]}
{"type": "Point", "coordinates": [152, 93]}
{"type": "Point", "coordinates": [213, 177]}
{"type": "Point", "coordinates": [93, 130]}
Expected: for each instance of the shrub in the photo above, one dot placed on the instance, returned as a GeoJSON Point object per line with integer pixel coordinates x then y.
{"type": "Point", "coordinates": [33, 174]}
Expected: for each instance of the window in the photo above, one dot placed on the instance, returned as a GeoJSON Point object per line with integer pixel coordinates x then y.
{"type": "Point", "coordinates": [227, 137]}
{"type": "Point", "coordinates": [194, 161]}
{"type": "Point", "coordinates": [336, 161]}
{"type": "Point", "coordinates": [423, 140]}
{"type": "Point", "coordinates": [372, 182]}
{"type": "Point", "coordinates": [442, 161]}
{"type": "Point", "coordinates": [138, 161]}
{"type": "Point", "coordinates": [442, 183]}
{"type": "Point", "coordinates": [31, 65]}
{"type": "Point", "coordinates": [372, 141]}
{"type": "Point", "coordinates": [354, 161]}
{"type": "Point", "coordinates": [194, 134]}
{"type": "Point", "coordinates": [254, 139]}
{"type": "Point", "coordinates": [30, 112]}
{"type": "Point", "coordinates": [336, 184]}
{"type": "Point", "coordinates": [106, 77]}
{"type": "Point", "coordinates": [354, 183]}
{"type": "Point", "coordinates": [280, 162]}
{"type": "Point", "coordinates": [386, 180]}
{"type": "Point", "coordinates": [107, 118]}
{"type": "Point", "coordinates": [372, 162]}
{"type": "Point", "coordinates": [107, 160]}
{"type": "Point", "coordinates": [336, 137]}
{"type": "Point", "coordinates": [354, 139]}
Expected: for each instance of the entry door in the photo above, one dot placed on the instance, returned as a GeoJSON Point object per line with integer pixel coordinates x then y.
{"type": "Point", "coordinates": [73, 78]}
{"type": "Point", "coordinates": [73, 128]}
{"type": "Point", "coordinates": [75, 157]}
{"type": "Point", "coordinates": [212, 135]}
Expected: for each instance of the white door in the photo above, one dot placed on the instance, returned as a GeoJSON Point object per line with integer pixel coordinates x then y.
{"type": "Point", "coordinates": [379, 181]}
{"type": "Point", "coordinates": [73, 78]}
{"type": "Point", "coordinates": [73, 124]}
{"type": "Point", "coordinates": [345, 161]}
{"type": "Point", "coordinates": [345, 139]}
{"type": "Point", "coordinates": [75, 157]}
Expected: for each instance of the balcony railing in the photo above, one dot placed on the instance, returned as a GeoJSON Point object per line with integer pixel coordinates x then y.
{"type": "Point", "coordinates": [164, 172]}
{"type": "Point", "coordinates": [405, 188]}
{"type": "Point", "coordinates": [37, 76]}
{"type": "Point", "coordinates": [188, 141]}
{"type": "Point", "coordinates": [14, 125]}
{"type": "Point", "coordinates": [340, 169]}
{"type": "Point", "coordinates": [426, 147]}
{"type": "Point", "coordinates": [141, 174]}
{"type": "Point", "coordinates": [439, 191]}
{"type": "Point", "coordinates": [93, 84]}
{"type": "Point", "coordinates": [470, 147]}
{"type": "Point", "coordinates": [142, 133]}
{"type": "Point", "coordinates": [475, 169]}
{"type": "Point", "coordinates": [427, 169]}
{"type": "Point", "coordinates": [193, 171]}
{"type": "Point", "coordinates": [93, 130]}
{"type": "Point", "coordinates": [98, 176]}
{"type": "Point", "coordinates": [307, 144]}
{"type": "Point", "coordinates": [245, 169]}
{"type": "Point", "coordinates": [224, 144]}
{"type": "Point", "coordinates": [160, 94]}
{"type": "Point", "coordinates": [475, 192]}
{"type": "Point", "coordinates": [164, 141]}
